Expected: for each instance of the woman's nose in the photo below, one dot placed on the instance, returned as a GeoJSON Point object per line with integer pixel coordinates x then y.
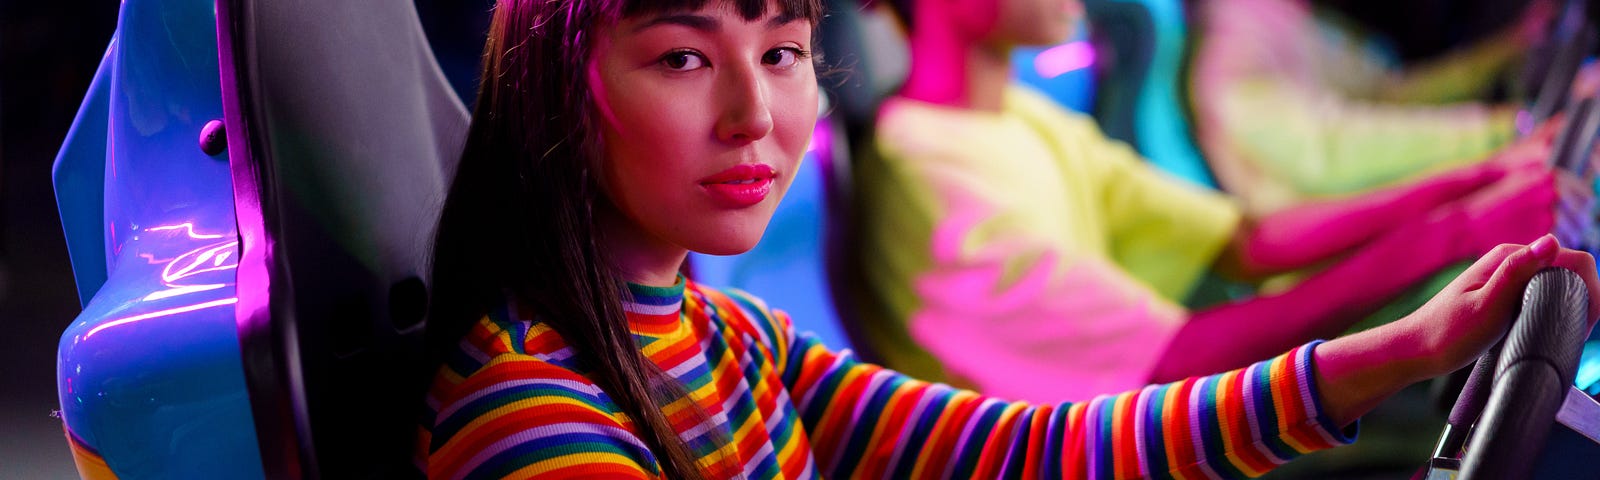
{"type": "Point", "coordinates": [746, 114]}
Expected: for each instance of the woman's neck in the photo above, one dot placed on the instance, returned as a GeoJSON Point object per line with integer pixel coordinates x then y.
{"type": "Point", "coordinates": [949, 70]}
{"type": "Point", "coordinates": [641, 257]}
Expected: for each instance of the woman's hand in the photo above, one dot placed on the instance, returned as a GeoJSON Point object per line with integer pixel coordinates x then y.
{"type": "Point", "coordinates": [1476, 309]}
{"type": "Point", "coordinates": [1356, 372]}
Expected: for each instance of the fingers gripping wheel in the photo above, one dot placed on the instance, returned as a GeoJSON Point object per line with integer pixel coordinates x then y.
{"type": "Point", "coordinates": [1537, 363]}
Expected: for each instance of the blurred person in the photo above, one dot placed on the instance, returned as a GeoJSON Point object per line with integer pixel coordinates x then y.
{"type": "Point", "coordinates": [1294, 103]}
{"type": "Point", "coordinates": [1009, 246]}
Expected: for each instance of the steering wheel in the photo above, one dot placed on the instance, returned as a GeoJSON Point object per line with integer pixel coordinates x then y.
{"type": "Point", "coordinates": [1519, 385]}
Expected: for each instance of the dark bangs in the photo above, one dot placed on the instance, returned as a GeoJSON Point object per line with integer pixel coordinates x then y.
{"type": "Point", "coordinates": [809, 10]}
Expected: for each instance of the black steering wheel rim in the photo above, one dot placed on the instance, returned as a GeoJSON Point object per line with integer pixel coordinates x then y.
{"type": "Point", "coordinates": [1531, 376]}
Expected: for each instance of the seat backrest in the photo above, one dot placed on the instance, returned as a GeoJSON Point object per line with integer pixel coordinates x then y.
{"type": "Point", "coordinates": [1140, 98]}
{"type": "Point", "coordinates": [1064, 72]}
{"type": "Point", "coordinates": [343, 134]}
{"type": "Point", "coordinates": [864, 60]}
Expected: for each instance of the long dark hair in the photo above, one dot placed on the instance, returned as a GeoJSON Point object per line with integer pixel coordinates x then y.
{"type": "Point", "coordinates": [519, 219]}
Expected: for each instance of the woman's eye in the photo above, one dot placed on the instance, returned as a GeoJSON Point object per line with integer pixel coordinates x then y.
{"type": "Point", "coordinates": [783, 57]}
{"type": "Point", "coordinates": [683, 61]}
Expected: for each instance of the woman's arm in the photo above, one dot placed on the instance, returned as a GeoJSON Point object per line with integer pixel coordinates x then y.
{"type": "Point", "coordinates": [867, 421]}
{"type": "Point", "coordinates": [518, 416]}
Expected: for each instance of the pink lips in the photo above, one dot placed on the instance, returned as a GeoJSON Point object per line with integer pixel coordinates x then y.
{"type": "Point", "coordinates": [741, 186]}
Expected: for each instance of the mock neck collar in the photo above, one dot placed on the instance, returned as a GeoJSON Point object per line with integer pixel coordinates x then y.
{"type": "Point", "coordinates": [654, 311]}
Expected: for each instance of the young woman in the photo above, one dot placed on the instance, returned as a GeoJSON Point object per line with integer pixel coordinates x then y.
{"type": "Point", "coordinates": [612, 137]}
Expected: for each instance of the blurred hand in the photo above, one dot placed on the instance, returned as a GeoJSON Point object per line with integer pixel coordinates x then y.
{"type": "Point", "coordinates": [1586, 83]}
{"type": "Point", "coordinates": [1517, 209]}
{"type": "Point", "coordinates": [1529, 154]}
{"type": "Point", "coordinates": [1522, 199]}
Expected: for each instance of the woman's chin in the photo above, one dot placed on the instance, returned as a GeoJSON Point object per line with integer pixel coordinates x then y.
{"type": "Point", "coordinates": [731, 234]}
{"type": "Point", "coordinates": [728, 243]}
{"type": "Point", "coordinates": [727, 246]}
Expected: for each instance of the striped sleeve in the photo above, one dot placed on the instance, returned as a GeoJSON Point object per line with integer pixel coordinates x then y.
{"type": "Point", "coordinates": [867, 421]}
{"type": "Point", "coordinates": [519, 417]}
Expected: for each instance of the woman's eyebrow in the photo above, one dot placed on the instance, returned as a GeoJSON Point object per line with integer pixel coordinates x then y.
{"type": "Point", "coordinates": [707, 23]}
{"type": "Point", "coordinates": [781, 20]}
{"type": "Point", "coordinates": [698, 22]}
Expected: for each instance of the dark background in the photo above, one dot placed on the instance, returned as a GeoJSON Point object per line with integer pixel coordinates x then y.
{"type": "Point", "coordinates": [48, 53]}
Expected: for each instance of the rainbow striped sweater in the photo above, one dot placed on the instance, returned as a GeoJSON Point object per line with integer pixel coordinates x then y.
{"type": "Point", "coordinates": [514, 403]}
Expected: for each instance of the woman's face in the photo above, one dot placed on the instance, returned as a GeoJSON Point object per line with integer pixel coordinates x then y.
{"type": "Point", "coordinates": [704, 116]}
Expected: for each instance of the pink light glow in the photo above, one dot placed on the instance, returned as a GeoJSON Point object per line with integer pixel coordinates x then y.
{"type": "Point", "coordinates": [176, 290]}
{"type": "Point", "coordinates": [188, 228]}
{"type": "Point", "coordinates": [212, 257]}
{"type": "Point", "coordinates": [161, 313]}
{"type": "Point", "coordinates": [821, 138]}
{"type": "Point", "coordinates": [194, 262]}
{"type": "Point", "coordinates": [1064, 58]}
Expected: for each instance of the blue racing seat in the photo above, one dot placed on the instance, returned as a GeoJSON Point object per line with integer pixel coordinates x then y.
{"type": "Point", "coordinates": [249, 227]}
{"type": "Point", "coordinates": [149, 375]}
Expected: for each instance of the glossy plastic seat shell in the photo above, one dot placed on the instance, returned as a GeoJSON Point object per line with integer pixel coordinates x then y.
{"type": "Point", "coordinates": [149, 374]}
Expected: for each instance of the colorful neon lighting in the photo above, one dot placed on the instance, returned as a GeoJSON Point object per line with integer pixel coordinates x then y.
{"type": "Point", "coordinates": [193, 262]}
{"type": "Point", "coordinates": [188, 228]}
{"type": "Point", "coordinates": [212, 257]}
{"type": "Point", "coordinates": [182, 290]}
{"type": "Point", "coordinates": [161, 313]}
{"type": "Point", "coordinates": [1060, 59]}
